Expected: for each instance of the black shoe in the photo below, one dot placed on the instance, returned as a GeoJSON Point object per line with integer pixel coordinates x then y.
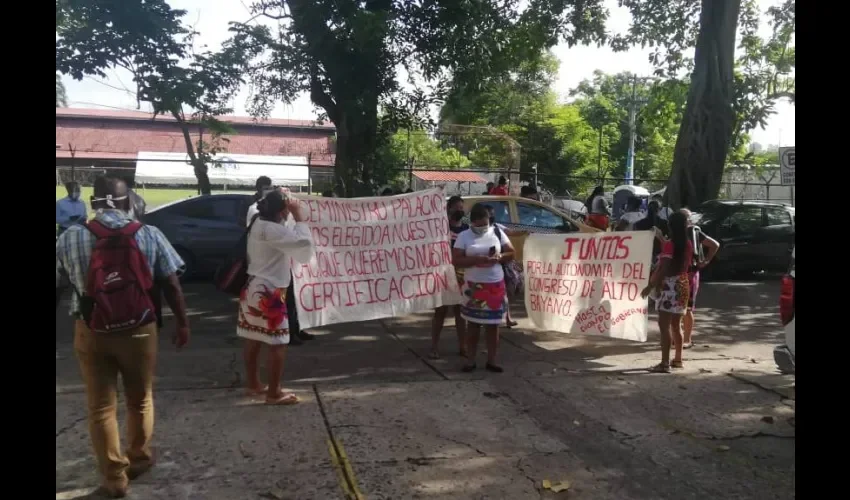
{"type": "Point", "coordinates": [468, 368]}
{"type": "Point", "coordinates": [305, 336]}
{"type": "Point", "coordinates": [494, 368]}
{"type": "Point", "coordinates": [294, 340]}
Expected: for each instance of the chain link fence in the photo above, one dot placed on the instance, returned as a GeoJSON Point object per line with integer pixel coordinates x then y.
{"type": "Point", "coordinates": [739, 183]}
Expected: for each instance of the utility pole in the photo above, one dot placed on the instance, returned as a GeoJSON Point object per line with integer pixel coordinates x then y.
{"type": "Point", "coordinates": [634, 102]}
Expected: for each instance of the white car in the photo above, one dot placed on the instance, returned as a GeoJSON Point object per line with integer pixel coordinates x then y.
{"type": "Point", "coordinates": [785, 354]}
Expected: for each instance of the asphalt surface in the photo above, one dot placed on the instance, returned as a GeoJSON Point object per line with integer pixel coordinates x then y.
{"type": "Point", "coordinates": [378, 420]}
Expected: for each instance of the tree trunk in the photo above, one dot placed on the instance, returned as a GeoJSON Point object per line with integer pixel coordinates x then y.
{"type": "Point", "coordinates": [355, 151]}
{"type": "Point", "coordinates": [198, 165]}
{"type": "Point", "coordinates": [709, 120]}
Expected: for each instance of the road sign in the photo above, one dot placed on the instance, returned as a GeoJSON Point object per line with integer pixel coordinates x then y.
{"type": "Point", "coordinates": [786, 166]}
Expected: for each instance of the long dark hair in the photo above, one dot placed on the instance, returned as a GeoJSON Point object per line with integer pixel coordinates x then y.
{"type": "Point", "coordinates": [271, 205]}
{"type": "Point", "coordinates": [597, 191]}
{"type": "Point", "coordinates": [678, 224]}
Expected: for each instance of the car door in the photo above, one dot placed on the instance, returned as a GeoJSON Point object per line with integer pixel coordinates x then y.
{"type": "Point", "coordinates": [738, 234]}
{"type": "Point", "coordinates": [209, 227]}
{"type": "Point", "coordinates": [777, 238]}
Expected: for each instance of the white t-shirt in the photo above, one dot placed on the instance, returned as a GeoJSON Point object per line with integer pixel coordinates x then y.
{"type": "Point", "coordinates": [475, 245]}
{"type": "Point", "coordinates": [252, 211]}
{"type": "Point", "coordinates": [270, 247]}
{"type": "Point", "coordinates": [631, 218]}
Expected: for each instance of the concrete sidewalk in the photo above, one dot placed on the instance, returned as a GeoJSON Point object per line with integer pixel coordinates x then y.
{"type": "Point", "coordinates": [380, 421]}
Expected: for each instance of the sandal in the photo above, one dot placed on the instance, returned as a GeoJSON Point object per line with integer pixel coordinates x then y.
{"type": "Point", "coordinates": [660, 368]}
{"type": "Point", "coordinates": [676, 364]}
{"type": "Point", "coordinates": [688, 345]}
{"type": "Point", "coordinates": [284, 399]}
{"type": "Point", "coordinates": [511, 324]}
{"type": "Point", "coordinates": [257, 391]}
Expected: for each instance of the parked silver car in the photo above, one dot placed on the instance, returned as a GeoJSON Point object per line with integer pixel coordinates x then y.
{"type": "Point", "coordinates": [203, 229]}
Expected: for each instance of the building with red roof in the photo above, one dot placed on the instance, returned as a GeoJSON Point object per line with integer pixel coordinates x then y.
{"type": "Point", "coordinates": [113, 139]}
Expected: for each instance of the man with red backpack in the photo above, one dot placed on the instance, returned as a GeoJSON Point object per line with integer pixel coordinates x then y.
{"type": "Point", "coordinates": [112, 263]}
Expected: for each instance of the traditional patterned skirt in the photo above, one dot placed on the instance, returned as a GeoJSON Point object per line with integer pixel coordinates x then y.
{"type": "Point", "coordinates": [484, 303]}
{"type": "Point", "coordinates": [262, 313]}
{"type": "Point", "coordinates": [674, 294]}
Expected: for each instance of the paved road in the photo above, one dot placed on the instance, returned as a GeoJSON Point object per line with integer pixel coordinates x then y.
{"type": "Point", "coordinates": [379, 421]}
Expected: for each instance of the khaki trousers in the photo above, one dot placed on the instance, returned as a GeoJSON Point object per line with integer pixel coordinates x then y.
{"type": "Point", "coordinates": [102, 358]}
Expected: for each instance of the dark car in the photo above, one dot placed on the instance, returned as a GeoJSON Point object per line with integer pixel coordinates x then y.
{"type": "Point", "coordinates": [753, 235]}
{"type": "Point", "coordinates": [203, 229]}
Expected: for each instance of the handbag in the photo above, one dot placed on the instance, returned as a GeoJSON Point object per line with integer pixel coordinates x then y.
{"type": "Point", "coordinates": [232, 274]}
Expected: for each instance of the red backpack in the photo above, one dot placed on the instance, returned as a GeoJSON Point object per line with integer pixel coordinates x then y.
{"type": "Point", "coordinates": [118, 282]}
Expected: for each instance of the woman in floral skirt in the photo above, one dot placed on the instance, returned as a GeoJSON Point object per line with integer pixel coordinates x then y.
{"type": "Point", "coordinates": [482, 251]}
{"type": "Point", "coordinates": [671, 280]}
{"type": "Point", "coordinates": [263, 317]}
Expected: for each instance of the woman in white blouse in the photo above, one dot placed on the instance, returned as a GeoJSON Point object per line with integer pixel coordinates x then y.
{"type": "Point", "coordinates": [263, 317]}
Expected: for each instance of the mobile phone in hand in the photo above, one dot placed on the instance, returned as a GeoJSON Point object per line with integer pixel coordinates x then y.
{"type": "Point", "coordinates": [492, 251]}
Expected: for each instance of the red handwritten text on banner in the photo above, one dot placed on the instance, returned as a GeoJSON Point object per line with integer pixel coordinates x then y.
{"type": "Point", "coordinates": [375, 258]}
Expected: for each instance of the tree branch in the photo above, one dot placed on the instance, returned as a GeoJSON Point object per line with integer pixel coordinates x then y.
{"type": "Point", "coordinates": [321, 98]}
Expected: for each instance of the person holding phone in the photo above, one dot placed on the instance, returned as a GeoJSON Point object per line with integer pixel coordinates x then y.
{"type": "Point", "coordinates": [71, 209]}
{"type": "Point", "coordinates": [482, 251]}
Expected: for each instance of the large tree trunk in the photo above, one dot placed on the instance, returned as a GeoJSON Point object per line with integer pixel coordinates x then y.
{"type": "Point", "coordinates": [709, 120]}
{"type": "Point", "coordinates": [355, 152]}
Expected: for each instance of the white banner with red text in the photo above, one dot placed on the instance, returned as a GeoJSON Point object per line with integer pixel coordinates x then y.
{"type": "Point", "coordinates": [375, 258]}
{"type": "Point", "coordinates": [589, 283]}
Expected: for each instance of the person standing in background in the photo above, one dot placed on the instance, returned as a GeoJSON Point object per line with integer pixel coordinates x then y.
{"type": "Point", "coordinates": [490, 186]}
{"type": "Point", "coordinates": [456, 226]}
{"type": "Point", "coordinates": [263, 187]}
{"type": "Point", "coordinates": [633, 214]}
{"type": "Point", "coordinates": [501, 189]}
{"type": "Point", "coordinates": [71, 209]}
{"type": "Point", "coordinates": [705, 248]}
{"type": "Point", "coordinates": [138, 207]}
{"type": "Point", "coordinates": [529, 192]}
{"type": "Point", "coordinates": [598, 212]}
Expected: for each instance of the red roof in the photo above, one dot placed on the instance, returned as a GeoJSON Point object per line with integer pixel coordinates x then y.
{"type": "Point", "coordinates": [110, 114]}
{"type": "Point", "coordinates": [448, 176]}
{"type": "Point", "coordinates": [121, 135]}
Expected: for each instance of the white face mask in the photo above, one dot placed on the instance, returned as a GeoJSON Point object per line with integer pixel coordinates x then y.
{"type": "Point", "coordinates": [74, 195]}
{"type": "Point", "coordinates": [479, 230]}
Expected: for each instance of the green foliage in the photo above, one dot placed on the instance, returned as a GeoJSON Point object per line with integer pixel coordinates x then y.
{"type": "Point", "coordinates": [416, 149]}
{"type": "Point", "coordinates": [764, 70]}
{"type": "Point", "coordinates": [61, 95]}
{"type": "Point", "coordinates": [346, 53]}
{"type": "Point", "coordinates": [148, 39]}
